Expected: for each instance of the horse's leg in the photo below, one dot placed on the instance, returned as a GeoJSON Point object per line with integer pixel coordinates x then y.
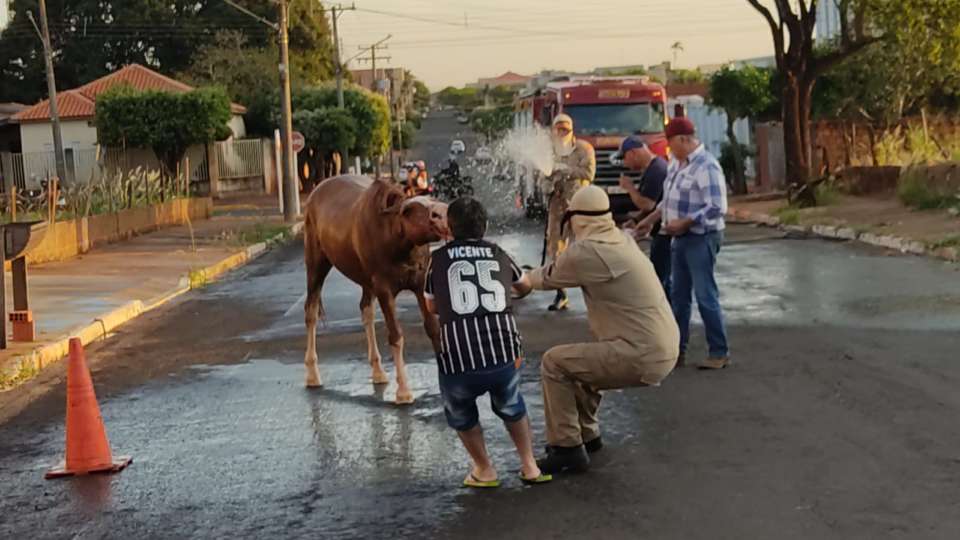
{"type": "Point", "coordinates": [318, 266]}
{"type": "Point", "coordinates": [368, 313]}
{"type": "Point", "coordinates": [388, 305]}
{"type": "Point", "coordinates": [430, 322]}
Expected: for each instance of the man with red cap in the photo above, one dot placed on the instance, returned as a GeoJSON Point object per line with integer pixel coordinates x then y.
{"type": "Point", "coordinates": [692, 210]}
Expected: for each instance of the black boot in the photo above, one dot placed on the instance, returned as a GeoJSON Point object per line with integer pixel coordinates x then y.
{"type": "Point", "coordinates": [564, 459]}
{"type": "Point", "coordinates": [593, 445]}
{"type": "Point", "coordinates": [560, 302]}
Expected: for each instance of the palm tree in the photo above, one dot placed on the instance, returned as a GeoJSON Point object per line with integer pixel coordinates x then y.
{"type": "Point", "coordinates": [677, 48]}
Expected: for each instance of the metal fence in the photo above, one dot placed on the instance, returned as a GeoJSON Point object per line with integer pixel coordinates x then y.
{"type": "Point", "coordinates": [26, 171]}
{"type": "Point", "coordinates": [240, 158]}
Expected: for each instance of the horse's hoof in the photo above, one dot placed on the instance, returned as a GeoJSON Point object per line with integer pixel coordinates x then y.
{"type": "Point", "coordinates": [404, 398]}
{"type": "Point", "coordinates": [380, 377]}
{"type": "Point", "coordinates": [313, 381]}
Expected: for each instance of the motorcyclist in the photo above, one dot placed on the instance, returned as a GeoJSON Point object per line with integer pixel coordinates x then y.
{"type": "Point", "coordinates": [417, 182]}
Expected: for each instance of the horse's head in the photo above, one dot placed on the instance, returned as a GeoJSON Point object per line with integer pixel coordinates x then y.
{"type": "Point", "coordinates": [419, 220]}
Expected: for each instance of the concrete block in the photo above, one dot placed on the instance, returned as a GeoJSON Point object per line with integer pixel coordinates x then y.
{"type": "Point", "coordinates": [102, 229]}
{"type": "Point", "coordinates": [826, 231]}
{"type": "Point", "coordinates": [136, 221]}
{"type": "Point", "coordinates": [847, 233]}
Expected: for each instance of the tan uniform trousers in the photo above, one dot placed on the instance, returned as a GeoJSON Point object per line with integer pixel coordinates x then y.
{"type": "Point", "coordinates": [573, 376]}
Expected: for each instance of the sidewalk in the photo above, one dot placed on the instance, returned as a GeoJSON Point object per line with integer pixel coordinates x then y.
{"type": "Point", "coordinates": [878, 220]}
{"type": "Point", "coordinates": [89, 295]}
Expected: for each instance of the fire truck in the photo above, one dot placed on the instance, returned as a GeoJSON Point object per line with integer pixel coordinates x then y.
{"type": "Point", "coordinates": [605, 110]}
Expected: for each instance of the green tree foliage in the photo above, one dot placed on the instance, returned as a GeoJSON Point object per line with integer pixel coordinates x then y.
{"type": "Point", "coordinates": [407, 136]}
{"type": "Point", "coordinates": [461, 98]}
{"type": "Point", "coordinates": [491, 124]}
{"type": "Point", "coordinates": [741, 93]}
{"type": "Point", "coordinates": [926, 34]}
{"type": "Point", "coordinates": [326, 129]}
{"type": "Point", "coordinates": [94, 37]}
{"type": "Point", "coordinates": [369, 111]}
{"type": "Point", "coordinates": [684, 76]}
{"type": "Point", "coordinates": [907, 71]}
{"type": "Point", "coordinates": [164, 122]}
{"type": "Point", "coordinates": [421, 95]}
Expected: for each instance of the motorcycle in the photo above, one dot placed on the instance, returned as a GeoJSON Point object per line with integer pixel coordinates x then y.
{"type": "Point", "coordinates": [450, 184]}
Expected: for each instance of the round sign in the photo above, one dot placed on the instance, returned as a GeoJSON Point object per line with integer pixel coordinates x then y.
{"type": "Point", "coordinates": [298, 141]}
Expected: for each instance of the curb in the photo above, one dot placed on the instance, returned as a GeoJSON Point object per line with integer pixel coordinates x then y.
{"type": "Point", "coordinates": [26, 366]}
{"type": "Point", "coordinates": [896, 243]}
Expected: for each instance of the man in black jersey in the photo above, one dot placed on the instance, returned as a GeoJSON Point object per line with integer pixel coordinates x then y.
{"type": "Point", "coordinates": [468, 286]}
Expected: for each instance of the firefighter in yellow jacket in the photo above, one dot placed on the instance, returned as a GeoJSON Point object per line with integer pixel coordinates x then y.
{"type": "Point", "coordinates": [575, 165]}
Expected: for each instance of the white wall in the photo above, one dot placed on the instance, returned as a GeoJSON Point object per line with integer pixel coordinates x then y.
{"type": "Point", "coordinates": [711, 125]}
{"type": "Point", "coordinates": [38, 136]}
{"type": "Point", "coordinates": [237, 126]}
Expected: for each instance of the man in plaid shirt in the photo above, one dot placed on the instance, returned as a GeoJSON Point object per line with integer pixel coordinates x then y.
{"type": "Point", "coordinates": [692, 210]}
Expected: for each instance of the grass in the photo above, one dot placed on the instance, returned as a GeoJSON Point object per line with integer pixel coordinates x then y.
{"type": "Point", "coordinates": [788, 215]}
{"type": "Point", "coordinates": [198, 278]}
{"type": "Point", "coordinates": [952, 241]}
{"type": "Point", "coordinates": [915, 192]}
{"type": "Point", "coordinates": [261, 232]}
{"type": "Point", "coordinates": [827, 193]}
{"type": "Point", "coordinates": [25, 372]}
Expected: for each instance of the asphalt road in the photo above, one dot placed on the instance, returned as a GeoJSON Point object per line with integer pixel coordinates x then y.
{"type": "Point", "coordinates": [837, 420]}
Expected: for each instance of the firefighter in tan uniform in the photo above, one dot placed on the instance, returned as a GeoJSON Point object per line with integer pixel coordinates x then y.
{"type": "Point", "coordinates": [637, 336]}
{"type": "Point", "coordinates": [575, 165]}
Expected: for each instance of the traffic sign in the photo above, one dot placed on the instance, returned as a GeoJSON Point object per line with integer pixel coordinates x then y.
{"type": "Point", "coordinates": [299, 142]}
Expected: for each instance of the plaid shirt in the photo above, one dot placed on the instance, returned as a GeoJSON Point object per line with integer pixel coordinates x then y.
{"type": "Point", "coordinates": [695, 190]}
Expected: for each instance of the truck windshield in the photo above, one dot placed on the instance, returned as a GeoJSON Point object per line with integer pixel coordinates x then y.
{"type": "Point", "coordinates": [616, 118]}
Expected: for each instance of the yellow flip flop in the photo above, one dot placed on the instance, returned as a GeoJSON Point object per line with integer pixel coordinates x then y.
{"type": "Point", "coordinates": [542, 479]}
{"type": "Point", "coordinates": [472, 482]}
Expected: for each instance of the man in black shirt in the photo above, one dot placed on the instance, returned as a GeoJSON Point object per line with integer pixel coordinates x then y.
{"type": "Point", "coordinates": [468, 286]}
{"type": "Point", "coordinates": [637, 156]}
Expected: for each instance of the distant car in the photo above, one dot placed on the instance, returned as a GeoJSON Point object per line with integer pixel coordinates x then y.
{"type": "Point", "coordinates": [463, 119]}
{"type": "Point", "coordinates": [457, 147]}
{"type": "Point", "coordinates": [483, 154]}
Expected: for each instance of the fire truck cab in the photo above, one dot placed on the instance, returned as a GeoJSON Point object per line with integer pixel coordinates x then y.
{"type": "Point", "coordinates": [605, 110]}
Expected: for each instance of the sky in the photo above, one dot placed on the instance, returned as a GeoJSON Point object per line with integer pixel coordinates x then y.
{"type": "Point", "coordinates": [453, 42]}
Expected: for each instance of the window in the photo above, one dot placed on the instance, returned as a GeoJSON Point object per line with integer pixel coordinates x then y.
{"type": "Point", "coordinates": [616, 118]}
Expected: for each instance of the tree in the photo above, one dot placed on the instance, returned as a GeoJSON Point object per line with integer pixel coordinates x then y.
{"type": "Point", "coordinates": [677, 48]}
{"type": "Point", "coordinates": [370, 112]}
{"type": "Point", "coordinates": [421, 95]}
{"type": "Point", "coordinates": [92, 38]}
{"type": "Point", "coordinates": [407, 136]}
{"type": "Point", "coordinates": [919, 29]}
{"type": "Point", "coordinates": [327, 131]}
{"type": "Point", "coordinates": [461, 98]}
{"type": "Point", "coordinates": [491, 124]}
{"type": "Point", "coordinates": [741, 93]}
{"type": "Point", "coordinates": [686, 76]}
{"type": "Point", "coordinates": [164, 122]}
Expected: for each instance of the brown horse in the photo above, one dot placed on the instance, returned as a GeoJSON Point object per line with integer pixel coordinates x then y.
{"type": "Point", "coordinates": [379, 239]}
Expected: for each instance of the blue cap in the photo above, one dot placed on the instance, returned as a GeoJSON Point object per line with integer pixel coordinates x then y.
{"type": "Point", "coordinates": [631, 142]}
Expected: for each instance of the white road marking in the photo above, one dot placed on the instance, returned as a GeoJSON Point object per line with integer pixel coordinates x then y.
{"type": "Point", "coordinates": [298, 303]}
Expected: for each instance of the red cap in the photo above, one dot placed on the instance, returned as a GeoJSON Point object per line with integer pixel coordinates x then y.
{"type": "Point", "coordinates": [680, 125]}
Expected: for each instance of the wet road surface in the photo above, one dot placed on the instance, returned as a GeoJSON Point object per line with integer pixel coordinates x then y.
{"type": "Point", "coordinates": [838, 419]}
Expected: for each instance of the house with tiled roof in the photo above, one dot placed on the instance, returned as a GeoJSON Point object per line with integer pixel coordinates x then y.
{"type": "Point", "coordinates": [77, 108]}
{"type": "Point", "coordinates": [508, 79]}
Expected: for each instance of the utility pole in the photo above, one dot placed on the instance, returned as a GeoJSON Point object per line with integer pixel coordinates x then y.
{"type": "Point", "coordinates": [291, 185]}
{"type": "Point", "coordinates": [51, 89]}
{"type": "Point", "coordinates": [373, 64]}
{"type": "Point", "coordinates": [335, 13]}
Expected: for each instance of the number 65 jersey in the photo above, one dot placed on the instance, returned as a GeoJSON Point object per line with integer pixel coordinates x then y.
{"type": "Point", "coordinates": [469, 282]}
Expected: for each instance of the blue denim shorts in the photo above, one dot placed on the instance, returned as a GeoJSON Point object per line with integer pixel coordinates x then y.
{"type": "Point", "coordinates": [460, 393]}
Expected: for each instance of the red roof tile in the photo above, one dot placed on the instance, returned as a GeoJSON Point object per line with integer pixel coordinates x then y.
{"type": "Point", "coordinates": [79, 103]}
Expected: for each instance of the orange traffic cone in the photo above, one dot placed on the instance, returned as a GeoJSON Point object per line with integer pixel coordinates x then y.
{"type": "Point", "coordinates": [88, 449]}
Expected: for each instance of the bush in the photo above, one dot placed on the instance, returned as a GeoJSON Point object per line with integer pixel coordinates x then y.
{"type": "Point", "coordinates": [916, 190]}
{"type": "Point", "coordinates": [726, 158]}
